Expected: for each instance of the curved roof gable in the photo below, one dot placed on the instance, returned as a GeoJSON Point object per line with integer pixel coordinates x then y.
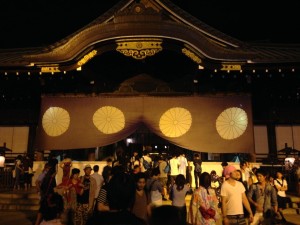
{"type": "Point", "coordinates": [147, 19]}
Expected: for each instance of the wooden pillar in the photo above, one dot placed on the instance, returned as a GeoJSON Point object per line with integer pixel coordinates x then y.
{"type": "Point", "coordinates": [272, 140]}
{"type": "Point", "coordinates": [91, 155]}
{"type": "Point", "coordinates": [252, 157]}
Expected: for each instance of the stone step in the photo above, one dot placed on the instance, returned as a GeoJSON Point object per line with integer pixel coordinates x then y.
{"type": "Point", "coordinates": [19, 195]}
{"type": "Point", "coordinates": [19, 200]}
{"type": "Point", "coordinates": [16, 207]}
{"type": "Point", "coordinates": [291, 211]}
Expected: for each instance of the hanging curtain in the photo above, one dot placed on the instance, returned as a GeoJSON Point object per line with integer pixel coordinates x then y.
{"type": "Point", "coordinates": [215, 124]}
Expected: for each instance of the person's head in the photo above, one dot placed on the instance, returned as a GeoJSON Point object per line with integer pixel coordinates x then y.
{"type": "Point", "coordinates": [254, 169]}
{"type": "Point", "coordinates": [75, 173]}
{"type": "Point", "coordinates": [261, 175]}
{"type": "Point", "coordinates": [109, 162]}
{"type": "Point", "coordinates": [140, 181]}
{"type": "Point", "coordinates": [230, 172]}
{"type": "Point", "coordinates": [213, 173]}
{"type": "Point", "coordinates": [161, 158]}
{"type": "Point", "coordinates": [279, 175]}
{"type": "Point", "coordinates": [239, 175]}
{"type": "Point", "coordinates": [224, 164]}
{"type": "Point", "coordinates": [205, 180]}
{"type": "Point", "coordinates": [47, 166]}
{"type": "Point", "coordinates": [96, 168]}
{"type": "Point", "coordinates": [135, 153]}
{"type": "Point", "coordinates": [180, 181]}
{"type": "Point", "coordinates": [108, 174]}
{"type": "Point", "coordinates": [87, 169]}
{"type": "Point", "coordinates": [136, 169]}
{"type": "Point", "coordinates": [155, 172]}
{"type": "Point", "coordinates": [271, 179]}
{"type": "Point", "coordinates": [243, 165]}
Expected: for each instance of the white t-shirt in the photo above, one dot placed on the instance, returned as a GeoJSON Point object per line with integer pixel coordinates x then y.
{"type": "Point", "coordinates": [99, 181]}
{"type": "Point", "coordinates": [174, 164]}
{"type": "Point", "coordinates": [278, 185]}
{"type": "Point", "coordinates": [233, 194]}
{"type": "Point", "coordinates": [182, 165]}
{"type": "Point", "coordinates": [148, 159]}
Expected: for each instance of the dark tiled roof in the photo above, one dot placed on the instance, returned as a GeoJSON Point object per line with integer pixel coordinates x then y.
{"type": "Point", "coordinates": [215, 45]}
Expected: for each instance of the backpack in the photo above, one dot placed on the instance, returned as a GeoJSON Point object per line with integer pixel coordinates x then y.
{"type": "Point", "coordinates": [167, 169]}
{"type": "Point", "coordinates": [146, 164]}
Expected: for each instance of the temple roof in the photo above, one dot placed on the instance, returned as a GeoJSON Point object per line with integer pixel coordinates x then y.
{"type": "Point", "coordinates": [150, 21]}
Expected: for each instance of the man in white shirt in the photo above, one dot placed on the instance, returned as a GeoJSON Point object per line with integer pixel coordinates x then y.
{"type": "Point", "coordinates": [147, 158]}
{"type": "Point", "coordinates": [99, 180]}
{"type": "Point", "coordinates": [233, 198]}
{"type": "Point", "coordinates": [174, 164]}
{"type": "Point", "coordinates": [182, 164]}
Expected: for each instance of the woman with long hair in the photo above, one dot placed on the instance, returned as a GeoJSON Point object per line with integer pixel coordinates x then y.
{"type": "Point", "coordinates": [204, 203]}
{"type": "Point", "coordinates": [179, 191]}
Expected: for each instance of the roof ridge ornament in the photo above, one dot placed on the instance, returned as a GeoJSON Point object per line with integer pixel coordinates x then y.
{"type": "Point", "coordinates": [139, 48]}
{"type": "Point", "coordinates": [137, 12]}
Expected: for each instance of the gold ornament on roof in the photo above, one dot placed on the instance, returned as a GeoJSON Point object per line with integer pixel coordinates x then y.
{"type": "Point", "coordinates": [109, 119]}
{"type": "Point", "coordinates": [175, 122]}
{"type": "Point", "coordinates": [139, 48]}
{"type": "Point", "coordinates": [191, 55]}
{"type": "Point", "coordinates": [55, 121]}
{"type": "Point", "coordinates": [87, 57]}
{"type": "Point", "coordinates": [232, 123]}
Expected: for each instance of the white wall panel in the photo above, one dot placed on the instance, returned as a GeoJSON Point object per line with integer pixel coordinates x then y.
{"type": "Point", "coordinates": [16, 138]}
{"type": "Point", "coordinates": [261, 140]}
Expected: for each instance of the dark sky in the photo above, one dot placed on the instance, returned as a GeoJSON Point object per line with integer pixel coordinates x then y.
{"type": "Point", "coordinates": [30, 23]}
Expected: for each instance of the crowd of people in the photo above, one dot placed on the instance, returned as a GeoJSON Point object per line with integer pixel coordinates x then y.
{"type": "Point", "coordinates": [22, 172]}
{"type": "Point", "coordinates": [133, 193]}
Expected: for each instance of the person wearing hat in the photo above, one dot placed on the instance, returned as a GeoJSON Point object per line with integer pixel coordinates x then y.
{"type": "Point", "coordinates": [85, 201]}
{"type": "Point", "coordinates": [233, 198]}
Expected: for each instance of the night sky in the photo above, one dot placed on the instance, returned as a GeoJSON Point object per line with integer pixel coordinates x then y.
{"type": "Point", "coordinates": [34, 23]}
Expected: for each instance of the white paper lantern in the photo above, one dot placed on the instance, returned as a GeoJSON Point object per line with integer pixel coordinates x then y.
{"type": "Point", "coordinates": [2, 161]}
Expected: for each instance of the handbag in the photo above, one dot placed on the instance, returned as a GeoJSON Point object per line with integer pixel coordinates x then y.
{"type": "Point", "coordinates": [207, 213]}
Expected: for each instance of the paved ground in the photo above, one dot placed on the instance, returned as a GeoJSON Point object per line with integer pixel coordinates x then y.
{"type": "Point", "coordinates": [28, 217]}
{"type": "Point", "coordinates": [17, 218]}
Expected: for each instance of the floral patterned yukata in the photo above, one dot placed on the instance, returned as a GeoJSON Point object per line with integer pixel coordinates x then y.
{"type": "Point", "coordinates": [202, 199]}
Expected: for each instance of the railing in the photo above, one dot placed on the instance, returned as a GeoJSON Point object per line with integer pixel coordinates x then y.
{"type": "Point", "coordinates": [6, 178]}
